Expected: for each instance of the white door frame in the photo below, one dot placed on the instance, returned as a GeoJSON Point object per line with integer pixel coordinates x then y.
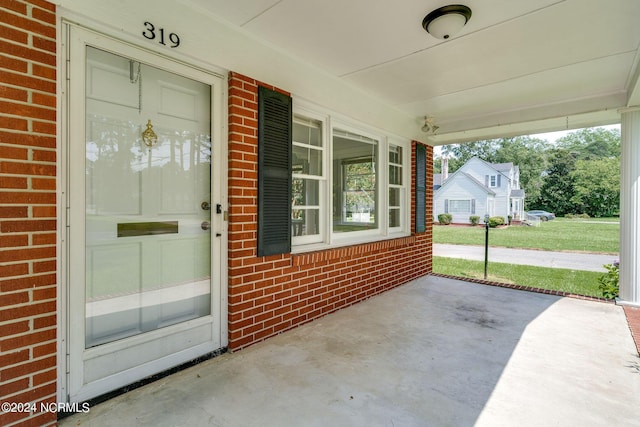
{"type": "Point", "coordinates": [72, 124]}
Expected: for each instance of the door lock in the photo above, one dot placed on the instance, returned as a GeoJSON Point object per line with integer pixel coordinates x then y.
{"type": "Point", "coordinates": [205, 225]}
{"type": "Point", "coordinates": [218, 208]}
{"type": "Point", "coordinates": [205, 206]}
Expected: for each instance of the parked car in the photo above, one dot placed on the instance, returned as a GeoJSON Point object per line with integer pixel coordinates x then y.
{"type": "Point", "coordinates": [543, 215]}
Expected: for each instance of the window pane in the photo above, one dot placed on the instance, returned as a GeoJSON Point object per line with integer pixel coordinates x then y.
{"type": "Point", "coordinates": [394, 197]}
{"type": "Point", "coordinates": [459, 206]}
{"type": "Point", "coordinates": [305, 222]}
{"type": "Point", "coordinates": [306, 192]}
{"type": "Point", "coordinates": [395, 154]}
{"type": "Point", "coordinates": [395, 175]}
{"type": "Point", "coordinates": [307, 161]}
{"type": "Point", "coordinates": [307, 131]}
{"type": "Point", "coordinates": [355, 182]}
{"type": "Point", "coordinates": [394, 217]}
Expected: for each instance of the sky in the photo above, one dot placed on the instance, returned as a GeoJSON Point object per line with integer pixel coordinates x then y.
{"type": "Point", "coordinates": [549, 136]}
{"type": "Point", "coordinates": [554, 136]}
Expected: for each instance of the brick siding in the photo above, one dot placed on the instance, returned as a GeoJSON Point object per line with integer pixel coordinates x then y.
{"type": "Point", "coordinates": [268, 295]}
{"type": "Point", "coordinates": [27, 208]}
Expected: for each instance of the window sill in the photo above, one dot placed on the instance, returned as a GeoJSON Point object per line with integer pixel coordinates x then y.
{"type": "Point", "coordinates": [345, 242]}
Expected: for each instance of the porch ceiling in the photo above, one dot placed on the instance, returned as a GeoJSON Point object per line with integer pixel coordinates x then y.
{"type": "Point", "coordinates": [517, 67]}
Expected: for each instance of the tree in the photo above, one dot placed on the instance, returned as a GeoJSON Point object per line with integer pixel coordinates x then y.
{"type": "Point", "coordinates": [597, 186]}
{"type": "Point", "coordinates": [592, 143]}
{"type": "Point", "coordinates": [529, 154]}
{"type": "Point", "coordinates": [459, 154]}
{"type": "Point", "coordinates": [558, 187]}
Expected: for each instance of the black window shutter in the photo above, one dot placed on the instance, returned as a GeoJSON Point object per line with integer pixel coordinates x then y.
{"type": "Point", "coordinates": [421, 188]}
{"type": "Point", "coordinates": [274, 172]}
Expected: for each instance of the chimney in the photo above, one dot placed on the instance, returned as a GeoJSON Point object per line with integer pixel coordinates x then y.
{"type": "Point", "coordinates": [444, 168]}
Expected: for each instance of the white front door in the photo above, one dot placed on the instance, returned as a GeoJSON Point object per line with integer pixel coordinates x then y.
{"type": "Point", "coordinates": [144, 269]}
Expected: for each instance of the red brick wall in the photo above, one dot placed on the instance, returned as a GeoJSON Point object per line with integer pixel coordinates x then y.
{"type": "Point", "coordinates": [27, 208]}
{"type": "Point", "coordinates": [268, 295]}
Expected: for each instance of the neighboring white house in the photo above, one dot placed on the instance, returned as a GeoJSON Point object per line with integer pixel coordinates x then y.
{"type": "Point", "coordinates": [478, 188]}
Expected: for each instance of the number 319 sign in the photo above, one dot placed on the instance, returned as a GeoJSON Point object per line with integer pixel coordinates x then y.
{"type": "Point", "coordinates": [152, 33]}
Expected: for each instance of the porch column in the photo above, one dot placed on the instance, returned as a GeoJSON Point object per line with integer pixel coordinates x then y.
{"type": "Point", "coordinates": [630, 208]}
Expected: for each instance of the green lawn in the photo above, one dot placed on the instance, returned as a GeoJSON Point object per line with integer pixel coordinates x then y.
{"type": "Point", "coordinates": [572, 281]}
{"type": "Point", "coordinates": [575, 235]}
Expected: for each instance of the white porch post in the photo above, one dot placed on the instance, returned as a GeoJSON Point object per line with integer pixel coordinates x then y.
{"type": "Point", "coordinates": [630, 208]}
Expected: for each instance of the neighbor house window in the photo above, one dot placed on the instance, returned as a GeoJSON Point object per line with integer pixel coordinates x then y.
{"type": "Point", "coordinates": [459, 206]}
{"type": "Point", "coordinates": [308, 183]}
{"type": "Point", "coordinates": [494, 181]}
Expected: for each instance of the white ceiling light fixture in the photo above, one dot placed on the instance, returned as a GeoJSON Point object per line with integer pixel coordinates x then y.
{"type": "Point", "coordinates": [429, 125]}
{"type": "Point", "coordinates": [446, 21]}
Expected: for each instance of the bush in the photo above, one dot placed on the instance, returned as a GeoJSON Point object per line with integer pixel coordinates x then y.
{"type": "Point", "coordinates": [474, 219]}
{"type": "Point", "coordinates": [509, 218]}
{"type": "Point", "coordinates": [609, 285]}
{"type": "Point", "coordinates": [445, 218]}
{"type": "Point", "coordinates": [495, 221]}
{"type": "Point", "coordinates": [580, 216]}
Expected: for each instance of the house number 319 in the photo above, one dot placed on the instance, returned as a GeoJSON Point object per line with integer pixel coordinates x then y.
{"type": "Point", "coordinates": [151, 32]}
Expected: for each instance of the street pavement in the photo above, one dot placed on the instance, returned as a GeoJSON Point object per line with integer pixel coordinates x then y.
{"type": "Point", "coordinates": [568, 260]}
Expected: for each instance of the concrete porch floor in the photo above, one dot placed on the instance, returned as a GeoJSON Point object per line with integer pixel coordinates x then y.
{"type": "Point", "coordinates": [434, 352]}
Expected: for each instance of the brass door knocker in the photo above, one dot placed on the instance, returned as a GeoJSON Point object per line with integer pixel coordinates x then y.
{"type": "Point", "coordinates": [149, 137]}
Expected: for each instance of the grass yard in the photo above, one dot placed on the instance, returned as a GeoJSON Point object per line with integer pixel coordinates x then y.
{"type": "Point", "coordinates": [574, 235]}
{"type": "Point", "coordinates": [573, 281]}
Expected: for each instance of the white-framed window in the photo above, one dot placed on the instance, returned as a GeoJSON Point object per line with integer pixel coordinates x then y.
{"type": "Point", "coordinates": [493, 181]}
{"type": "Point", "coordinates": [308, 179]}
{"type": "Point", "coordinates": [356, 178]}
{"type": "Point", "coordinates": [350, 183]}
{"type": "Point", "coordinates": [459, 206]}
{"type": "Point", "coordinates": [397, 186]}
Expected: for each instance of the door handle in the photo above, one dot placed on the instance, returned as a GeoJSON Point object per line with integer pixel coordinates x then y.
{"type": "Point", "coordinates": [205, 206]}
{"type": "Point", "coordinates": [206, 225]}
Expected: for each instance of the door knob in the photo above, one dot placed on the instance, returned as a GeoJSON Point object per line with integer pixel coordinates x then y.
{"type": "Point", "coordinates": [205, 206]}
{"type": "Point", "coordinates": [205, 225]}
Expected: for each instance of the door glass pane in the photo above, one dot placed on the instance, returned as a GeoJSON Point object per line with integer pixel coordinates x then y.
{"type": "Point", "coordinates": [148, 259]}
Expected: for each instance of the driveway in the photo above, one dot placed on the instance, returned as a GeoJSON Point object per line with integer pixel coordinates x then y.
{"type": "Point", "coordinates": [569, 260]}
{"type": "Point", "coordinates": [434, 352]}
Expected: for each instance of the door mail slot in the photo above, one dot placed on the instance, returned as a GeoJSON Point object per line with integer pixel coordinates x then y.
{"type": "Point", "coordinates": [131, 229]}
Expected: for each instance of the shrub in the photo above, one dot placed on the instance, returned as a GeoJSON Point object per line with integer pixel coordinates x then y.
{"type": "Point", "coordinates": [474, 219]}
{"type": "Point", "coordinates": [509, 218]}
{"type": "Point", "coordinates": [445, 218]}
{"type": "Point", "coordinates": [572, 216]}
{"type": "Point", "coordinates": [495, 221]}
{"type": "Point", "coordinates": [609, 285]}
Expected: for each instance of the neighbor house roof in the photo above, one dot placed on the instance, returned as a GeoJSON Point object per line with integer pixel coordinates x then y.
{"type": "Point", "coordinates": [467, 176]}
{"type": "Point", "coordinates": [502, 166]}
